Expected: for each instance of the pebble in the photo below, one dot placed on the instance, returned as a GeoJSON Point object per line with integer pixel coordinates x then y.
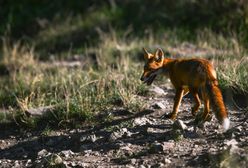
{"type": "Point", "coordinates": [67, 153]}
{"type": "Point", "coordinates": [55, 159]}
{"type": "Point", "coordinates": [141, 121]}
{"type": "Point", "coordinates": [231, 142]}
{"type": "Point", "coordinates": [133, 161]}
{"type": "Point", "coordinates": [88, 138]}
{"type": "Point", "coordinates": [167, 161]}
{"type": "Point", "coordinates": [156, 147]}
{"type": "Point", "coordinates": [179, 124]}
{"type": "Point", "coordinates": [43, 152]}
{"type": "Point", "coordinates": [158, 105]}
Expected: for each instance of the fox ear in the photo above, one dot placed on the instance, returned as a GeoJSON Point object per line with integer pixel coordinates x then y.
{"type": "Point", "coordinates": [159, 55]}
{"type": "Point", "coordinates": [147, 55]}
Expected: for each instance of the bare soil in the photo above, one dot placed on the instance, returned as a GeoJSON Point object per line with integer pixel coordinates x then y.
{"type": "Point", "coordinates": [132, 140]}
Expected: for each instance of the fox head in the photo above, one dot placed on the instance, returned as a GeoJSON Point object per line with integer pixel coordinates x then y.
{"type": "Point", "coordinates": [153, 65]}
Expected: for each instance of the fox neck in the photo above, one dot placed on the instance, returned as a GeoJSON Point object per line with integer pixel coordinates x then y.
{"type": "Point", "coordinates": [167, 64]}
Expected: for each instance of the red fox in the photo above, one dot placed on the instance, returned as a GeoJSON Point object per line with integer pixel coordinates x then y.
{"type": "Point", "coordinates": [194, 75]}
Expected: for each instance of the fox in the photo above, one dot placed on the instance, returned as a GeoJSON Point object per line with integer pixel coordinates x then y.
{"type": "Point", "coordinates": [188, 75]}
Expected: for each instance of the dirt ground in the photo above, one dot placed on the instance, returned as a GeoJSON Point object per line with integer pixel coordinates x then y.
{"type": "Point", "coordinates": [133, 140]}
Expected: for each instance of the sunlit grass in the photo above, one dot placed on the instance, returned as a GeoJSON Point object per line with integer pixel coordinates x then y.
{"type": "Point", "coordinates": [77, 93]}
{"type": "Point", "coordinates": [108, 81]}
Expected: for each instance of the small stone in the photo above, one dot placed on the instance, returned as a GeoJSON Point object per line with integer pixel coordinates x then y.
{"type": "Point", "coordinates": [93, 138]}
{"type": "Point", "coordinates": [158, 165]}
{"type": "Point", "coordinates": [158, 105]}
{"type": "Point", "coordinates": [133, 161]}
{"type": "Point", "coordinates": [55, 160]}
{"type": "Point", "coordinates": [29, 161]}
{"type": "Point", "coordinates": [141, 121]}
{"type": "Point", "coordinates": [88, 138]}
{"type": "Point", "coordinates": [118, 134]}
{"type": "Point", "coordinates": [123, 130]}
{"type": "Point", "coordinates": [212, 150]}
{"type": "Point", "coordinates": [67, 153]}
{"type": "Point", "coordinates": [73, 164]}
{"type": "Point", "coordinates": [126, 148]}
{"type": "Point", "coordinates": [232, 142]}
{"type": "Point", "coordinates": [242, 139]}
{"type": "Point", "coordinates": [114, 136]}
{"type": "Point", "coordinates": [179, 124]}
{"type": "Point", "coordinates": [42, 153]}
{"type": "Point", "coordinates": [167, 161]}
{"type": "Point", "coordinates": [72, 131]}
{"type": "Point", "coordinates": [17, 164]}
{"type": "Point", "coordinates": [82, 164]}
{"type": "Point", "coordinates": [156, 147]}
{"type": "Point", "coordinates": [191, 129]}
{"type": "Point", "coordinates": [239, 128]}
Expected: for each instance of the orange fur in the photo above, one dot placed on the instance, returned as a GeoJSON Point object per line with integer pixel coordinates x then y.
{"type": "Point", "coordinates": [217, 101]}
{"type": "Point", "coordinates": [194, 75]}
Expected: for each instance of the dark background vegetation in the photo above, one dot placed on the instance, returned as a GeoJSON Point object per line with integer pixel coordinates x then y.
{"type": "Point", "coordinates": [24, 19]}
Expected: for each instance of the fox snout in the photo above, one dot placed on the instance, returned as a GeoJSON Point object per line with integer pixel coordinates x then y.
{"type": "Point", "coordinates": [142, 78]}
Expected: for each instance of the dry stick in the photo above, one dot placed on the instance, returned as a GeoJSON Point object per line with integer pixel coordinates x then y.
{"type": "Point", "coordinates": [90, 82]}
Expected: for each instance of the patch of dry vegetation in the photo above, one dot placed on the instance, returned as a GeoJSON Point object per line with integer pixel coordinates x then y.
{"type": "Point", "coordinates": [106, 76]}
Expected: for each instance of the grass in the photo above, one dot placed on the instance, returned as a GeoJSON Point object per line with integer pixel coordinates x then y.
{"type": "Point", "coordinates": [107, 77]}
{"type": "Point", "coordinates": [78, 93]}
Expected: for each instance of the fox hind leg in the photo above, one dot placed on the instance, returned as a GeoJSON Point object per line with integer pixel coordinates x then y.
{"type": "Point", "coordinates": [197, 105]}
{"type": "Point", "coordinates": [206, 114]}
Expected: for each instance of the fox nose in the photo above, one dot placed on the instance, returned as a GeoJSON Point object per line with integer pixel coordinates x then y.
{"type": "Point", "coordinates": [142, 78]}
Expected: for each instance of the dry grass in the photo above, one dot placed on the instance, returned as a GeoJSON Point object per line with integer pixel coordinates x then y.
{"type": "Point", "coordinates": [108, 81]}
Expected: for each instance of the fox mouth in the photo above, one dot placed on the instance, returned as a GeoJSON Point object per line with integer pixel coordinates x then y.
{"type": "Point", "coordinates": [150, 79]}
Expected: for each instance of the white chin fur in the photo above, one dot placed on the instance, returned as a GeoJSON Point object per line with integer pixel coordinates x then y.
{"type": "Point", "coordinates": [226, 124]}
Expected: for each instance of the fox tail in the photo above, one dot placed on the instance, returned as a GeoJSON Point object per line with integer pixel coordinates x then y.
{"type": "Point", "coordinates": [216, 100]}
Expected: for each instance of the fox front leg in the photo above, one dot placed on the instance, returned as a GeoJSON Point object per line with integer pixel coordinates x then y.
{"type": "Point", "coordinates": [177, 99]}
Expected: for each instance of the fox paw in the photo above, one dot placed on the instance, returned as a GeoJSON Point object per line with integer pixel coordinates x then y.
{"type": "Point", "coordinates": [165, 116]}
{"type": "Point", "coordinates": [193, 113]}
{"type": "Point", "coordinates": [172, 116]}
{"type": "Point", "coordinates": [208, 118]}
{"type": "Point", "coordinates": [169, 116]}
